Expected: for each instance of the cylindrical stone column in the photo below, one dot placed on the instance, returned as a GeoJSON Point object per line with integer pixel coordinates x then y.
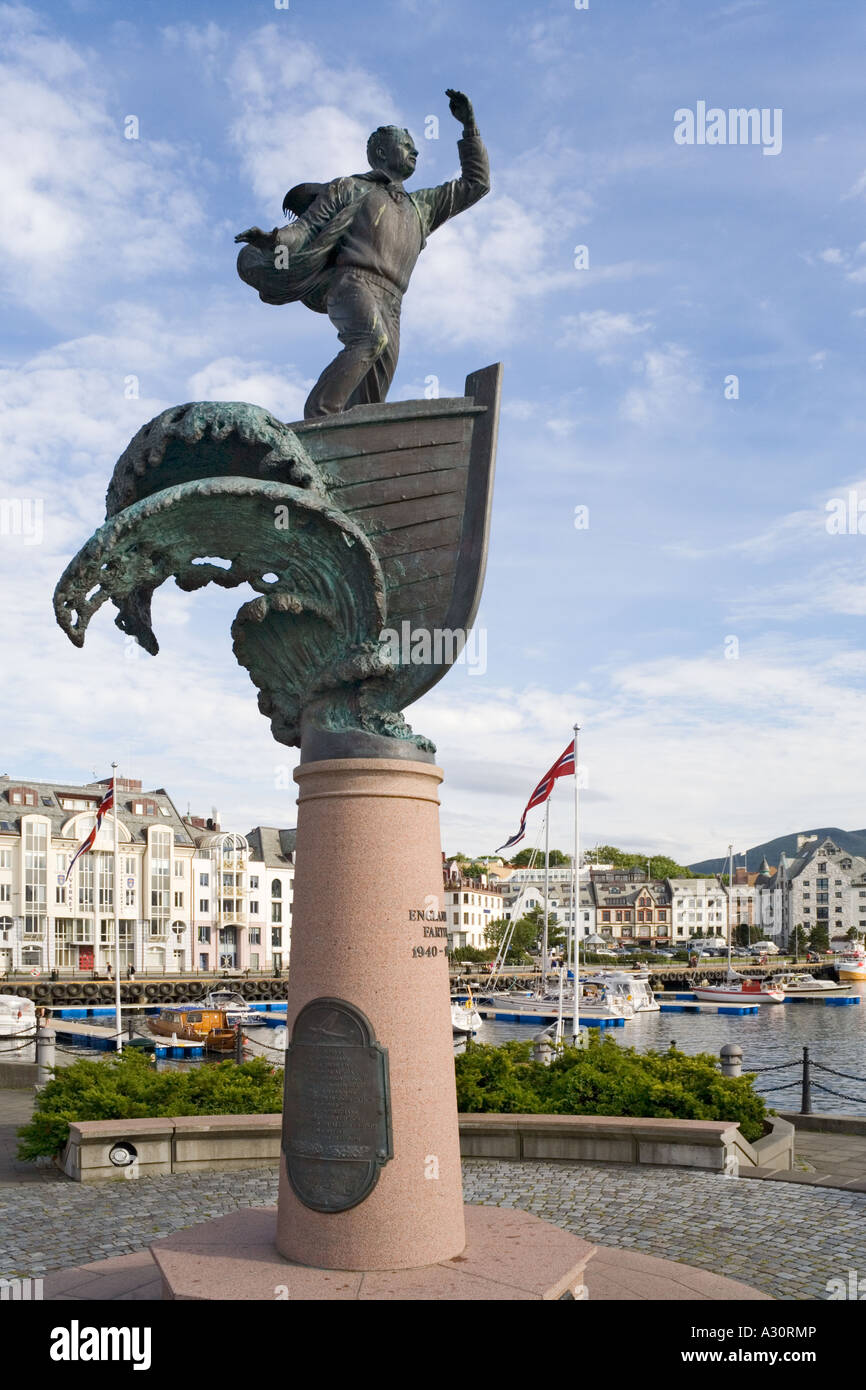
{"type": "Point", "coordinates": [369, 928]}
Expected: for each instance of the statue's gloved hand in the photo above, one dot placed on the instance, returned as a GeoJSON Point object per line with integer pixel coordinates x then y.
{"type": "Point", "coordinates": [254, 236]}
{"type": "Point", "coordinates": [460, 107]}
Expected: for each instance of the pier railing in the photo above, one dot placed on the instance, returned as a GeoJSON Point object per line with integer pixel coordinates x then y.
{"type": "Point", "coordinates": [731, 1061]}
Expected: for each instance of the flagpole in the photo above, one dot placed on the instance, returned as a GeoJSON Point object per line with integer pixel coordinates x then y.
{"type": "Point", "coordinates": [575, 1026]}
{"type": "Point", "coordinates": [546, 889]}
{"type": "Point", "coordinates": [116, 896]}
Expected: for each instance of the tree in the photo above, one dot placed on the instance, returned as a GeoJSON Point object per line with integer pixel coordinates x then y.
{"type": "Point", "coordinates": [556, 858]}
{"type": "Point", "coordinates": [555, 929]}
{"type": "Point", "coordinates": [523, 938]}
{"type": "Point", "coordinates": [819, 937]}
{"type": "Point", "coordinates": [660, 865]}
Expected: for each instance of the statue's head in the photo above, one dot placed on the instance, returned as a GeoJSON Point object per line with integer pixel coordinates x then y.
{"type": "Point", "coordinates": [393, 151]}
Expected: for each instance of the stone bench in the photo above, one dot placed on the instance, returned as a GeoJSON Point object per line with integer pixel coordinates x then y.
{"type": "Point", "coordinates": [199, 1143]}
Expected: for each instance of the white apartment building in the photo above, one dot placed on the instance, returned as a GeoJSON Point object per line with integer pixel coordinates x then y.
{"type": "Point", "coordinates": [822, 885]}
{"type": "Point", "coordinates": [699, 907]}
{"type": "Point", "coordinates": [189, 897]}
{"type": "Point", "coordinates": [471, 904]}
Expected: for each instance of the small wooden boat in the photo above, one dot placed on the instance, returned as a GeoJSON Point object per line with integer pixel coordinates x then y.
{"type": "Point", "coordinates": [190, 1024]}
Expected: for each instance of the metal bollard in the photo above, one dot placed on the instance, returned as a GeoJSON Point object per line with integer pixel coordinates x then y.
{"type": "Point", "coordinates": [806, 1101]}
{"type": "Point", "coordinates": [45, 1056]}
{"type": "Point", "coordinates": [542, 1050]}
{"type": "Point", "coordinates": [731, 1059]}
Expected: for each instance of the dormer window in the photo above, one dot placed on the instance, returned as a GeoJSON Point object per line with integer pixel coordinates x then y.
{"type": "Point", "coordinates": [23, 796]}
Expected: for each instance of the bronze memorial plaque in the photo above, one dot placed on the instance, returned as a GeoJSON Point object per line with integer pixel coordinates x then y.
{"type": "Point", "coordinates": [337, 1108]}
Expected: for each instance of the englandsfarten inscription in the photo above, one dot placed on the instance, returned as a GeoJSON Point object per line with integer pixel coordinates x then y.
{"type": "Point", "coordinates": [337, 1109]}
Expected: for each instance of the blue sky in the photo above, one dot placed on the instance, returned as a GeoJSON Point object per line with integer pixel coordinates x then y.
{"type": "Point", "coordinates": [707, 515]}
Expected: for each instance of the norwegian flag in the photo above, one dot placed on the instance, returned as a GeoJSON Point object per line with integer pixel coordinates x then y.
{"type": "Point", "coordinates": [105, 805]}
{"type": "Point", "coordinates": [563, 767]}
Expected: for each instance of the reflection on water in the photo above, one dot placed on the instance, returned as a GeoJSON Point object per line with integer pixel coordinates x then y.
{"type": "Point", "coordinates": [835, 1036]}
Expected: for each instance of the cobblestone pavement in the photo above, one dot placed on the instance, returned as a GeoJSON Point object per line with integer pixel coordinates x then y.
{"type": "Point", "coordinates": [786, 1240]}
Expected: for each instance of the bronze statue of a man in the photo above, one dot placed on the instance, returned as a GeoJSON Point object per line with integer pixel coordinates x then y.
{"type": "Point", "coordinates": [351, 250]}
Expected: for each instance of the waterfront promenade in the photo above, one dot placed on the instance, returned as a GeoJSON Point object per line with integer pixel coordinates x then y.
{"type": "Point", "coordinates": [785, 1239]}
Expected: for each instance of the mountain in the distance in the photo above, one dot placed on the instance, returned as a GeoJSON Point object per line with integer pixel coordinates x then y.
{"type": "Point", "coordinates": [853, 841]}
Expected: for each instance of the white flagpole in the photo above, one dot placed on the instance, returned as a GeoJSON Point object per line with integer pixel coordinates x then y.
{"type": "Point", "coordinates": [546, 891]}
{"type": "Point", "coordinates": [116, 896]}
{"type": "Point", "coordinates": [575, 1026]}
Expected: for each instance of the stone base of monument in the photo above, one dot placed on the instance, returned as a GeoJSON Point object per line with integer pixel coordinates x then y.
{"type": "Point", "coordinates": [508, 1255]}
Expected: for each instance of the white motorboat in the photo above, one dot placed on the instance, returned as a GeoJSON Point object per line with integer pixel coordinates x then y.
{"type": "Point", "coordinates": [738, 990]}
{"type": "Point", "coordinates": [17, 1016]}
{"type": "Point", "coordinates": [638, 988]}
{"type": "Point", "coordinates": [799, 986]}
{"type": "Point", "coordinates": [233, 1005]}
{"type": "Point", "coordinates": [465, 1018]}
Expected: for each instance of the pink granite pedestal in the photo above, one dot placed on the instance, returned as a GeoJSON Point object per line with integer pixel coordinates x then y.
{"type": "Point", "coordinates": [508, 1255]}
{"type": "Point", "coordinates": [369, 927]}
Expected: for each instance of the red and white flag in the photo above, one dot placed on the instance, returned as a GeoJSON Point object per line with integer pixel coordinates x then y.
{"type": "Point", "coordinates": [563, 767]}
{"type": "Point", "coordinates": [106, 804]}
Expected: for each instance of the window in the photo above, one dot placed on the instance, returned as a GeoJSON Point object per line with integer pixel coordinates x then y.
{"type": "Point", "coordinates": [178, 899]}
{"type": "Point", "coordinates": [254, 880]}
{"type": "Point", "coordinates": [5, 892]}
{"type": "Point", "coordinates": [204, 935]}
{"type": "Point", "coordinates": [204, 880]}
{"type": "Point", "coordinates": [178, 869]}
{"type": "Point", "coordinates": [106, 880]}
{"type": "Point", "coordinates": [255, 936]}
{"type": "Point", "coordinates": [277, 936]}
{"type": "Point", "coordinates": [6, 859]}
{"type": "Point", "coordinates": [276, 889]}
{"type": "Point", "coordinates": [254, 908]}
{"type": "Point", "coordinates": [204, 905]}
{"type": "Point", "coordinates": [160, 868]}
{"type": "Point", "coordinates": [276, 912]}
{"type": "Point", "coordinates": [36, 875]}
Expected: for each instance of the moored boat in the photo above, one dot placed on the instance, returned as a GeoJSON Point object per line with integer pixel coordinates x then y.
{"type": "Point", "coordinates": [189, 1023]}
{"type": "Point", "coordinates": [739, 990]}
{"type": "Point", "coordinates": [852, 965]}
{"type": "Point", "coordinates": [804, 986]}
{"type": "Point", "coordinates": [17, 1015]}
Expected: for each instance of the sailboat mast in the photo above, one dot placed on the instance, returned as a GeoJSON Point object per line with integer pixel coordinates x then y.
{"type": "Point", "coordinates": [730, 896]}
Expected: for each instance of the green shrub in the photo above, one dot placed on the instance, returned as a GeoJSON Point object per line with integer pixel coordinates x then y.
{"type": "Point", "coordinates": [606, 1079]}
{"type": "Point", "coordinates": [125, 1086]}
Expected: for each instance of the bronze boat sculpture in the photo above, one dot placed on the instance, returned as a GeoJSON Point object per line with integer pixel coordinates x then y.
{"type": "Point", "coordinates": [346, 527]}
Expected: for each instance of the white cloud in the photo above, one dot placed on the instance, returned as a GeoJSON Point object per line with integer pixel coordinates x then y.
{"type": "Point", "coordinates": [600, 332]}
{"type": "Point", "coordinates": [671, 390]}
{"type": "Point", "coordinates": [81, 204]}
{"type": "Point", "coordinates": [234, 379]}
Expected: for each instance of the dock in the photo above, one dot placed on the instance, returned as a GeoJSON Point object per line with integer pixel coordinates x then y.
{"type": "Point", "coordinates": [524, 1017]}
{"type": "Point", "coordinates": [696, 1006]}
{"type": "Point", "coordinates": [67, 1030]}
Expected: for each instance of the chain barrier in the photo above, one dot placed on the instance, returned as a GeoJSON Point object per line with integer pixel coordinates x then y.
{"type": "Point", "coordinates": [839, 1094]}
{"type": "Point", "coordinates": [846, 1075]}
{"type": "Point", "coordinates": [780, 1066]}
